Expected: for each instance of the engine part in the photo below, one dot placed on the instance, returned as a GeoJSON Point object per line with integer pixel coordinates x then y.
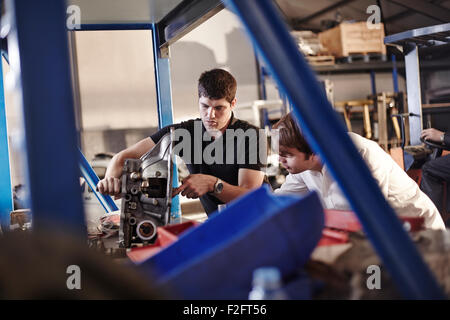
{"type": "Point", "coordinates": [146, 194]}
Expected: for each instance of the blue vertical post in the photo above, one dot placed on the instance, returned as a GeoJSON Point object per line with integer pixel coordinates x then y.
{"type": "Point", "coordinates": [328, 138]}
{"type": "Point", "coordinates": [164, 101]}
{"type": "Point", "coordinates": [38, 52]}
{"type": "Point", "coordinates": [6, 199]}
{"type": "Point", "coordinates": [394, 73]}
{"type": "Point", "coordinates": [262, 81]}
{"type": "Point", "coordinates": [373, 82]}
{"type": "Point", "coordinates": [413, 91]}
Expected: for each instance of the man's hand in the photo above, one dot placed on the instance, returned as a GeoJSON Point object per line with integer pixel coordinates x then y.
{"type": "Point", "coordinates": [431, 134]}
{"type": "Point", "coordinates": [195, 186]}
{"type": "Point", "coordinates": [110, 186]}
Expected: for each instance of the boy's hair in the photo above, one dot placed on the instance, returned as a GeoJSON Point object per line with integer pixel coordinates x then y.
{"type": "Point", "coordinates": [290, 135]}
{"type": "Point", "coordinates": [217, 84]}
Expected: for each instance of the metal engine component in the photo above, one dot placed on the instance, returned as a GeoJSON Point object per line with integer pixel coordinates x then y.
{"type": "Point", "coordinates": [147, 194]}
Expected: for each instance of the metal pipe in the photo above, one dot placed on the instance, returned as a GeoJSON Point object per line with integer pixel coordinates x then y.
{"type": "Point", "coordinates": [6, 196]}
{"type": "Point", "coordinates": [164, 104]}
{"type": "Point", "coordinates": [92, 180]}
{"type": "Point", "coordinates": [328, 138]}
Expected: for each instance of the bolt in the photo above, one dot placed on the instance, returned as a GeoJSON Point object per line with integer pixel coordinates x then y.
{"type": "Point", "coordinates": [134, 176]}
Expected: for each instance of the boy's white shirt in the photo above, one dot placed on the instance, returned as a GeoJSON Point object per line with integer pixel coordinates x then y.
{"type": "Point", "coordinates": [402, 193]}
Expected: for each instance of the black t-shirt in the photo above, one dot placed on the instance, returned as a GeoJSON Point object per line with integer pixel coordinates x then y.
{"type": "Point", "coordinates": [242, 146]}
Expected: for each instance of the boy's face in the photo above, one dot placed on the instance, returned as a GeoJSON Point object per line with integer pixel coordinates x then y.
{"type": "Point", "coordinates": [296, 161]}
{"type": "Point", "coordinates": [215, 114]}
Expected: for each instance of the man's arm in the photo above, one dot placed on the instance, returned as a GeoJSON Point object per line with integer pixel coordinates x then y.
{"type": "Point", "coordinates": [196, 185]}
{"type": "Point", "coordinates": [292, 185]}
{"type": "Point", "coordinates": [111, 183]}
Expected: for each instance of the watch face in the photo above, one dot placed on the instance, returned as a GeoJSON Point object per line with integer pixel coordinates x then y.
{"type": "Point", "coordinates": [219, 187]}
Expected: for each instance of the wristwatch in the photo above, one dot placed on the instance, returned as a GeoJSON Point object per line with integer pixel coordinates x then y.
{"type": "Point", "coordinates": [442, 137]}
{"type": "Point", "coordinates": [218, 186]}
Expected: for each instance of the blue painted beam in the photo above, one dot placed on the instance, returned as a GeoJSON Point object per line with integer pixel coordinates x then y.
{"type": "Point", "coordinates": [38, 52]}
{"type": "Point", "coordinates": [328, 138]}
{"type": "Point", "coordinates": [114, 26]}
{"type": "Point", "coordinates": [6, 197]}
{"type": "Point", "coordinates": [92, 180]}
{"type": "Point", "coordinates": [164, 104]}
{"type": "Point", "coordinates": [373, 82]}
{"type": "Point", "coordinates": [394, 73]}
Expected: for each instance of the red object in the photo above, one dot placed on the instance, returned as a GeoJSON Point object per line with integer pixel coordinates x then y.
{"type": "Point", "coordinates": [331, 237]}
{"type": "Point", "coordinates": [165, 236]}
{"type": "Point", "coordinates": [347, 220]}
{"type": "Point", "coordinates": [342, 220]}
{"type": "Point", "coordinates": [339, 223]}
{"type": "Point", "coordinates": [415, 174]}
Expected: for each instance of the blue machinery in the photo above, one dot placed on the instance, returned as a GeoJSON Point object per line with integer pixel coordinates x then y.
{"type": "Point", "coordinates": [52, 166]}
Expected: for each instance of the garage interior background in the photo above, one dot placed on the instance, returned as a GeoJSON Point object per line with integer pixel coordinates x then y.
{"type": "Point", "coordinates": [116, 75]}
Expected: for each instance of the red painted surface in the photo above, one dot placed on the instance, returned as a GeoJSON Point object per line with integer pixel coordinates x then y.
{"type": "Point", "coordinates": [338, 225]}
{"type": "Point", "coordinates": [166, 235]}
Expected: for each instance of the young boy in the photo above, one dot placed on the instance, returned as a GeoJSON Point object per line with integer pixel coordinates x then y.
{"type": "Point", "coordinates": [307, 173]}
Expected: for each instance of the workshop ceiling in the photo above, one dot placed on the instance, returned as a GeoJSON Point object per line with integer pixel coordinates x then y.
{"type": "Point", "coordinates": [399, 15]}
{"type": "Point", "coordinates": [123, 11]}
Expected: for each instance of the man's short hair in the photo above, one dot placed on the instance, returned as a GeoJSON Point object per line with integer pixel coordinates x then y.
{"type": "Point", "coordinates": [217, 84]}
{"type": "Point", "coordinates": [290, 134]}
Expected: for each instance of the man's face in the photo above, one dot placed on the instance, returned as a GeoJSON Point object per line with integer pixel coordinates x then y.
{"type": "Point", "coordinates": [296, 161]}
{"type": "Point", "coordinates": [215, 114]}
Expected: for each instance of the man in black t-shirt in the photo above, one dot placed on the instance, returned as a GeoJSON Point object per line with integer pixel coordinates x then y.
{"type": "Point", "coordinates": [224, 155]}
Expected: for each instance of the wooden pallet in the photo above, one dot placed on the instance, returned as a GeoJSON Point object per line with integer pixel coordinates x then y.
{"type": "Point", "coordinates": [320, 60]}
{"type": "Point", "coordinates": [363, 57]}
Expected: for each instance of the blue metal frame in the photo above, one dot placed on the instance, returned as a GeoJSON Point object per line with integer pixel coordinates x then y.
{"type": "Point", "coordinates": [394, 73]}
{"type": "Point", "coordinates": [116, 26]}
{"type": "Point", "coordinates": [92, 180]}
{"type": "Point", "coordinates": [164, 101]}
{"type": "Point", "coordinates": [413, 91]}
{"type": "Point", "coordinates": [373, 83]}
{"type": "Point", "coordinates": [52, 171]}
{"type": "Point", "coordinates": [328, 137]}
{"type": "Point", "coordinates": [422, 36]}
{"type": "Point", "coordinates": [261, 73]}
{"type": "Point", "coordinates": [6, 197]}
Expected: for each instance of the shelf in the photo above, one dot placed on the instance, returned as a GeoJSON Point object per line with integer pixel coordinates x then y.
{"type": "Point", "coordinates": [423, 37]}
{"type": "Point", "coordinates": [379, 66]}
